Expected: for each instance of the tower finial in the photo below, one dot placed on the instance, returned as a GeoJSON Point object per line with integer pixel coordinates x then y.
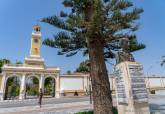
{"type": "Point", "coordinates": [36, 28]}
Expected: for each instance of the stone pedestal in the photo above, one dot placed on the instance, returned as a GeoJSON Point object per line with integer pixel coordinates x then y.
{"type": "Point", "coordinates": [131, 92]}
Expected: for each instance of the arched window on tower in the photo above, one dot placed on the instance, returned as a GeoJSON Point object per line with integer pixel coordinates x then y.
{"type": "Point", "coordinates": [36, 50]}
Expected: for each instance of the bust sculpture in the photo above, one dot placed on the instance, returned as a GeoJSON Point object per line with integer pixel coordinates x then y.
{"type": "Point", "coordinates": [124, 54]}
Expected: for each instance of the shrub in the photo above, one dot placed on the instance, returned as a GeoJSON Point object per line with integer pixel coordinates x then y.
{"type": "Point", "coordinates": [88, 112]}
{"type": "Point", "coordinates": [114, 110]}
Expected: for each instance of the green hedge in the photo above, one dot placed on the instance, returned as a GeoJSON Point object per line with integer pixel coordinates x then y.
{"type": "Point", "coordinates": [88, 112]}
{"type": "Point", "coordinates": [114, 110]}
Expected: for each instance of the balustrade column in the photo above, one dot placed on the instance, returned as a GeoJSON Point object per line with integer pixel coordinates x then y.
{"type": "Point", "coordinates": [41, 82]}
{"type": "Point", "coordinates": [3, 85]}
{"type": "Point", "coordinates": [57, 86]}
{"type": "Point", "coordinates": [22, 88]}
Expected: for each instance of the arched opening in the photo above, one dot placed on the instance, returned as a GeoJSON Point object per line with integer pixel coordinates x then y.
{"type": "Point", "coordinates": [49, 87]}
{"type": "Point", "coordinates": [32, 87]}
{"type": "Point", "coordinates": [12, 88]}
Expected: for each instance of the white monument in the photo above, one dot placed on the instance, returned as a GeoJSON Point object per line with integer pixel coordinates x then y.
{"type": "Point", "coordinates": [131, 92]}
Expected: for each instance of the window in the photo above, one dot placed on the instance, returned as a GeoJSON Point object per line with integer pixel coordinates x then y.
{"type": "Point", "coordinates": [35, 40]}
{"type": "Point", "coordinates": [36, 50]}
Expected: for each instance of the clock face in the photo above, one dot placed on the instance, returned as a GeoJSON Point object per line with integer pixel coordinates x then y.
{"type": "Point", "coordinates": [35, 40]}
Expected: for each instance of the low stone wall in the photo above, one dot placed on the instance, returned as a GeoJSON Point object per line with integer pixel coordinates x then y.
{"type": "Point", "coordinates": [72, 93]}
{"type": "Point", "coordinates": [80, 82]}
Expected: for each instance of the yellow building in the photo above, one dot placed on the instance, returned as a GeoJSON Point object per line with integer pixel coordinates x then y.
{"type": "Point", "coordinates": [28, 78]}
{"type": "Point", "coordinates": [32, 69]}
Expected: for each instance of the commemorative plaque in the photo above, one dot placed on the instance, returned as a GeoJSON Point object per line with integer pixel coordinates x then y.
{"type": "Point", "coordinates": [120, 88]}
{"type": "Point", "coordinates": [138, 86]}
{"type": "Point", "coordinates": [131, 92]}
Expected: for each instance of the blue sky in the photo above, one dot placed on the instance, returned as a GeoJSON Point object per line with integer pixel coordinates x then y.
{"type": "Point", "coordinates": [18, 16]}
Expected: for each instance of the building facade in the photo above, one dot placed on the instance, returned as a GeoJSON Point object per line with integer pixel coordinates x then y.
{"type": "Point", "coordinates": [32, 69]}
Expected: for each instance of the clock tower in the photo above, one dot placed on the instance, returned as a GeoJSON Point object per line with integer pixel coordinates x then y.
{"type": "Point", "coordinates": [35, 42]}
{"type": "Point", "coordinates": [35, 58]}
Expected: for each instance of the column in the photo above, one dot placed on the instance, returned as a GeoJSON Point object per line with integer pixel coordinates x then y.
{"type": "Point", "coordinates": [22, 87]}
{"type": "Point", "coordinates": [57, 86]}
{"type": "Point", "coordinates": [2, 89]}
{"type": "Point", "coordinates": [41, 82]}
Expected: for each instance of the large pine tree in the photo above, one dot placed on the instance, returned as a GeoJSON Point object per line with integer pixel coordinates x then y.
{"type": "Point", "coordinates": [95, 27]}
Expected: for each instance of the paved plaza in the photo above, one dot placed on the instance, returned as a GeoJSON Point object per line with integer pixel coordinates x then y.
{"type": "Point", "coordinates": [63, 108]}
{"type": "Point", "coordinates": [50, 106]}
{"type": "Point", "coordinates": [66, 106]}
{"type": "Point", "coordinates": [157, 104]}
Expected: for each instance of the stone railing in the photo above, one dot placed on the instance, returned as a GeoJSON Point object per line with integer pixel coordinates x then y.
{"type": "Point", "coordinates": [14, 65]}
{"type": "Point", "coordinates": [51, 68]}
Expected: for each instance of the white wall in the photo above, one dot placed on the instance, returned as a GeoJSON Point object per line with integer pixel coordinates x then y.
{"type": "Point", "coordinates": [160, 92]}
{"type": "Point", "coordinates": [71, 83]}
{"type": "Point", "coordinates": [81, 82]}
{"type": "Point", "coordinates": [154, 82]}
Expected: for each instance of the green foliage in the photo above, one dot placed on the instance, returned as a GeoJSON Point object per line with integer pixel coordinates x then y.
{"type": "Point", "coordinates": [32, 86]}
{"type": "Point", "coordinates": [3, 62]}
{"type": "Point", "coordinates": [88, 112]}
{"type": "Point", "coordinates": [6, 61]}
{"type": "Point", "coordinates": [163, 61]}
{"type": "Point", "coordinates": [68, 72]}
{"type": "Point", "coordinates": [135, 46]}
{"type": "Point", "coordinates": [32, 91]}
{"type": "Point", "coordinates": [83, 67]}
{"type": "Point", "coordinates": [49, 88]}
{"type": "Point", "coordinates": [114, 110]}
{"type": "Point", "coordinates": [13, 87]}
{"type": "Point", "coordinates": [110, 20]}
{"type": "Point", "coordinates": [14, 90]}
{"type": "Point", "coordinates": [19, 62]}
{"type": "Point", "coordinates": [35, 80]}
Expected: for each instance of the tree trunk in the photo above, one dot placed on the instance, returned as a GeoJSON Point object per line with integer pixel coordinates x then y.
{"type": "Point", "coordinates": [99, 76]}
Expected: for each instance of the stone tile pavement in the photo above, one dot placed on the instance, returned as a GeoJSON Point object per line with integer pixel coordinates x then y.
{"type": "Point", "coordinates": [157, 106]}
{"type": "Point", "coordinates": [64, 108]}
